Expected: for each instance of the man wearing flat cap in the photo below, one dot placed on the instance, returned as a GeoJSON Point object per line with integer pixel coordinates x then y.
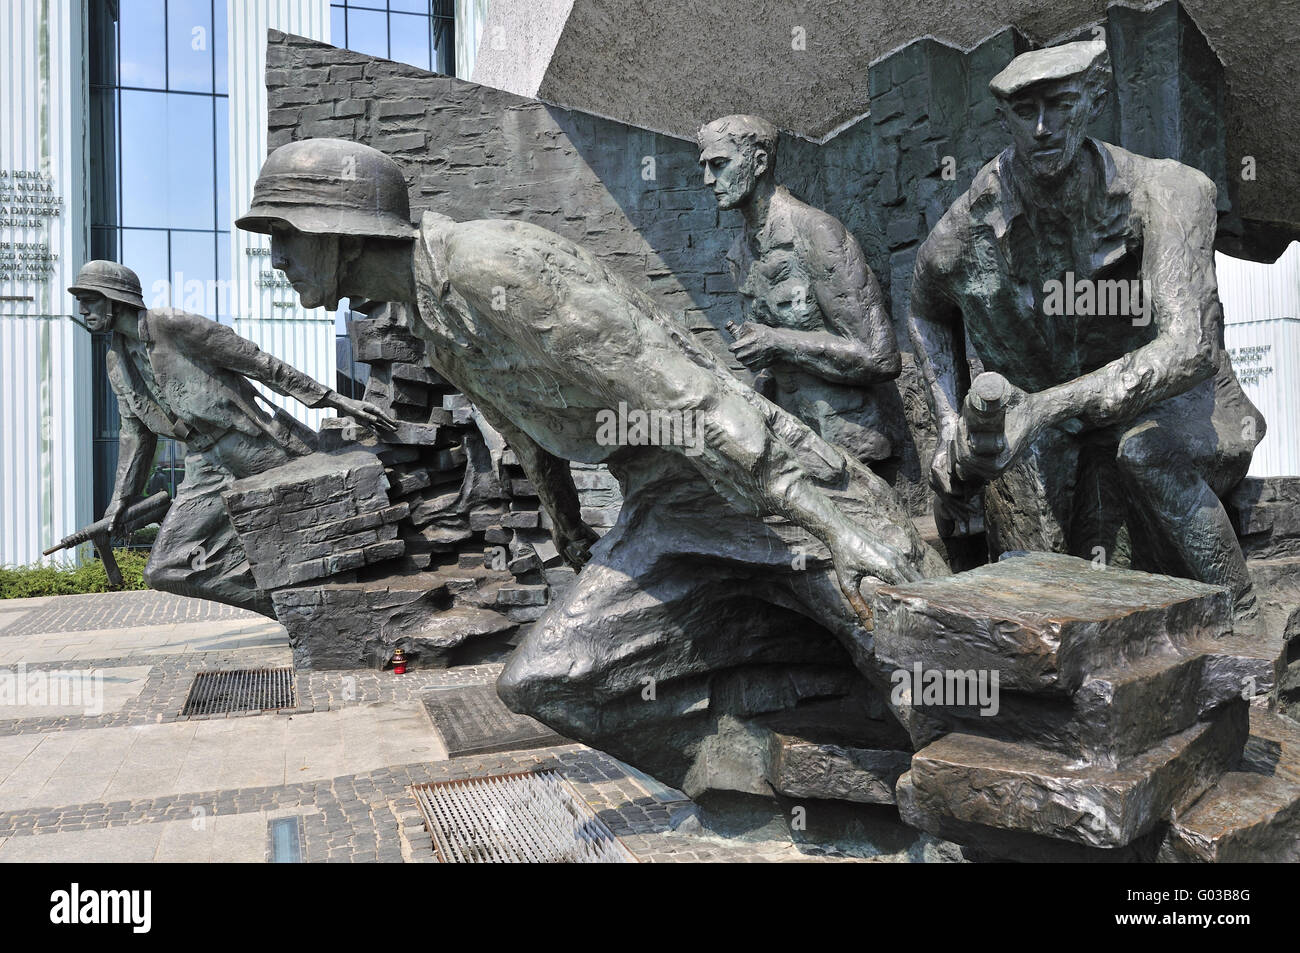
{"type": "Point", "coordinates": [1084, 274]}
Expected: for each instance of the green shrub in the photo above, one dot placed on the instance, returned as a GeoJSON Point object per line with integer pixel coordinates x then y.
{"type": "Point", "coordinates": [25, 582]}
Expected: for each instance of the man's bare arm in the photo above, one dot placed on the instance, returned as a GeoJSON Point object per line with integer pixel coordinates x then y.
{"type": "Point", "coordinates": [935, 328]}
{"type": "Point", "coordinates": [861, 347]}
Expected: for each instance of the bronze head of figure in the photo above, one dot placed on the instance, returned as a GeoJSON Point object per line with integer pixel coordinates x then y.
{"type": "Point", "coordinates": [104, 290]}
{"type": "Point", "coordinates": [1046, 99]}
{"type": "Point", "coordinates": [737, 153]}
{"type": "Point", "coordinates": [322, 202]}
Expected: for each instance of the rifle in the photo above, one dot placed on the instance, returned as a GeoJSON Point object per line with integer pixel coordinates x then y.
{"type": "Point", "coordinates": [136, 515]}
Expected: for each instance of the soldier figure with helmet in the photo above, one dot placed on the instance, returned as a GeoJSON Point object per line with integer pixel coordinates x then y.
{"type": "Point", "coordinates": [186, 377]}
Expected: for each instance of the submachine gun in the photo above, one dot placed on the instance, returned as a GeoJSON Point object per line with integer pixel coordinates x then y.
{"type": "Point", "coordinates": [149, 510]}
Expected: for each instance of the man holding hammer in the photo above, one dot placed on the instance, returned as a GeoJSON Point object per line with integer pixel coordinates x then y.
{"type": "Point", "coordinates": [1084, 274]}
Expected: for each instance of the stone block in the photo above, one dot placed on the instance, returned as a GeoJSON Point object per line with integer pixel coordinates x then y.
{"type": "Point", "coordinates": [1019, 786]}
{"type": "Point", "coordinates": [806, 769]}
{"type": "Point", "coordinates": [522, 595]}
{"type": "Point", "coordinates": [1251, 815]}
{"type": "Point", "coordinates": [1045, 622]}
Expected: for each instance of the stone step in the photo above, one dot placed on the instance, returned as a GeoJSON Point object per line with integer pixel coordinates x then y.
{"type": "Point", "coordinates": [1022, 787]}
{"type": "Point", "coordinates": [1252, 658]}
{"type": "Point", "coordinates": [1249, 815]}
{"type": "Point", "coordinates": [1114, 715]}
{"type": "Point", "coordinates": [981, 842]}
{"type": "Point", "coordinates": [1276, 579]}
{"type": "Point", "coordinates": [1044, 622]}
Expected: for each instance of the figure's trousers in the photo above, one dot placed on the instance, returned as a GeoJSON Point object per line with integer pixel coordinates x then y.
{"type": "Point", "coordinates": [197, 552]}
{"type": "Point", "coordinates": [1146, 494]}
{"type": "Point", "coordinates": [690, 617]}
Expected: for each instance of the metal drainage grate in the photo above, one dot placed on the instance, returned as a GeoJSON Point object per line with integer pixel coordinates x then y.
{"type": "Point", "coordinates": [246, 689]}
{"type": "Point", "coordinates": [535, 817]}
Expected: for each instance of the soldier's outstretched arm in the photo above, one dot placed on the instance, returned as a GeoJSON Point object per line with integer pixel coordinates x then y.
{"type": "Point", "coordinates": [221, 345]}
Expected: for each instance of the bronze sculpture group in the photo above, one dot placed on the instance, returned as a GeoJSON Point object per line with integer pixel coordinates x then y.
{"type": "Point", "coordinates": [1116, 433]}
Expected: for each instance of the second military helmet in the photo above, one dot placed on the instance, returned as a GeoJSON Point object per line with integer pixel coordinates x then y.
{"type": "Point", "coordinates": [115, 282]}
{"type": "Point", "coordinates": [330, 187]}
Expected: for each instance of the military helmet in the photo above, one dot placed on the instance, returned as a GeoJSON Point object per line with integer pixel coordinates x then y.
{"type": "Point", "coordinates": [330, 187]}
{"type": "Point", "coordinates": [115, 282]}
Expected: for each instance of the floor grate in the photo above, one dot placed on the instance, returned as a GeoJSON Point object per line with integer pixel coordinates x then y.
{"type": "Point", "coordinates": [535, 817]}
{"type": "Point", "coordinates": [248, 689]}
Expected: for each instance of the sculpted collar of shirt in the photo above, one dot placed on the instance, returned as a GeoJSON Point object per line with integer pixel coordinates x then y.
{"type": "Point", "coordinates": [1097, 230]}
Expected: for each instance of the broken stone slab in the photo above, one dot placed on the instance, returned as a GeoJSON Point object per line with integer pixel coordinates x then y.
{"type": "Point", "coordinates": [1115, 714]}
{"type": "Point", "coordinates": [327, 508]}
{"type": "Point", "coordinates": [1021, 787]}
{"type": "Point", "coordinates": [378, 339]}
{"type": "Point", "coordinates": [415, 435]}
{"type": "Point", "coordinates": [455, 626]}
{"type": "Point", "coordinates": [354, 625]}
{"type": "Point", "coordinates": [1043, 621]}
{"type": "Point", "coordinates": [1266, 515]}
{"type": "Point", "coordinates": [807, 769]}
{"type": "Point", "coordinates": [981, 842]}
{"type": "Point", "coordinates": [522, 595]}
{"type": "Point", "coordinates": [1249, 815]}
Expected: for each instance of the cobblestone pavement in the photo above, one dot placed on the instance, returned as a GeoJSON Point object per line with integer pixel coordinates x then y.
{"type": "Point", "coordinates": [116, 610]}
{"type": "Point", "coordinates": [344, 816]}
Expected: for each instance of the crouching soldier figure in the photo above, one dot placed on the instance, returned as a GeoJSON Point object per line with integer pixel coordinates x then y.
{"type": "Point", "coordinates": [546, 341]}
{"type": "Point", "coordinates": [186, 377]}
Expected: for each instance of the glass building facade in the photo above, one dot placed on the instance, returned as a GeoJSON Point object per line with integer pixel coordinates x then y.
{"type": "Point", "coordinates": [419, 32]}
{"type": "Point", "coordinates": [160, 153]}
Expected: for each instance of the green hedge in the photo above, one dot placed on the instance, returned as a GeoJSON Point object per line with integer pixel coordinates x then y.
{"type": "Point", "coordinates": [24, 582]}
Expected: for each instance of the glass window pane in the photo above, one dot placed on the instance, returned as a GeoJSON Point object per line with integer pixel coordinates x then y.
{"type": "Point", "coordinates": [338, 27]}
{"type": "Point", "coordinates": [219, 51]}
{"type": "Point", "coordinates": [194, 272]}
{"type": "Point", "coordinates": [368, 32]}
{"type": "Point", "coordinates": [223, 162]}
{"type": "Point", "coordinates": [103, 46]}
{"type": "Point", "coordinates": [409, 6]}
{"type": "Point", "coordinates": [444, 46]}
{"type": "Point", "coordinates": [189, 45]}
{"type": "Point", "coordinates": [103, 243]}
{"type": "Point", "coordinates": [409, 36]}
{"type": "Point", "coordinates": [167, 172]}
{"type": "Point", "coordinates": [225, 286]}
{"type": "Point", "coordinates": [144, 49]}
{"type": "Point", "coordinates": [145, 253]}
